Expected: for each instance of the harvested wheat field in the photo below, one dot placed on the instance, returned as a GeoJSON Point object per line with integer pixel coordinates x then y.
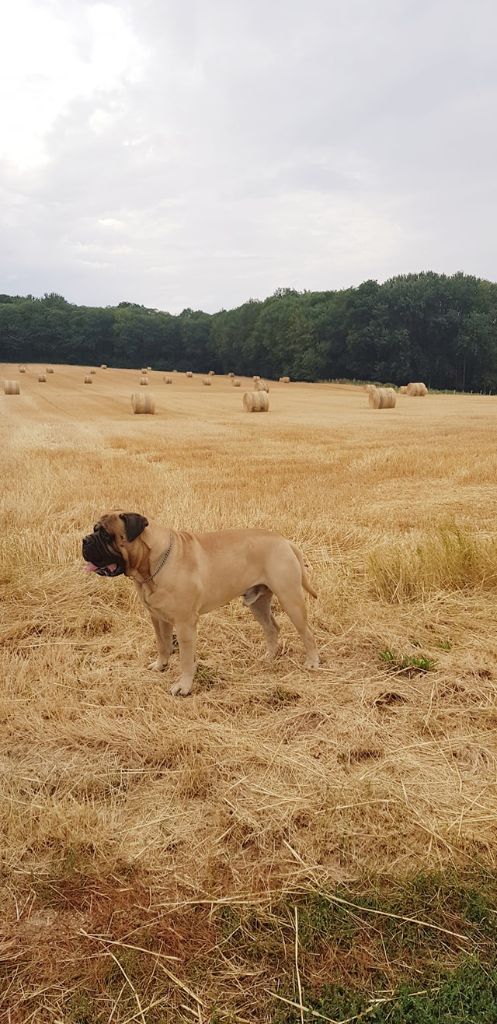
{"type": "Point", "coordinates": [253, 852]}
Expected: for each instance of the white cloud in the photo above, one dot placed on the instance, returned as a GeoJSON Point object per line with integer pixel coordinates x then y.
{"type": "Point", "coordinates": [199, 154]}
{"type": "Point", "coordinates": [51, 54]}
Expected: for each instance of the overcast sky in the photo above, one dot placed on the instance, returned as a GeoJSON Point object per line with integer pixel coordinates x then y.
{"type": "Point", "coordinates": [201, 152]}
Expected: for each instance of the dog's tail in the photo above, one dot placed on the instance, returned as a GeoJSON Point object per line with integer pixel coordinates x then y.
{"type": "Point", "coordinates": [305, 580]}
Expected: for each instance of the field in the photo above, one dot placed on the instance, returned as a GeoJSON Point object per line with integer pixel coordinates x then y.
{"type": "Point", "coordinates": [283, 845]}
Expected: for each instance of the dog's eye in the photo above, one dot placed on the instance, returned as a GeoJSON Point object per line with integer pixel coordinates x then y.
{"type": "Point", "coordinates": [102, 533]}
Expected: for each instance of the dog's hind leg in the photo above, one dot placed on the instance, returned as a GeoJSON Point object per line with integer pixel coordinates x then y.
{"type": "Point", "coordinates": [258, 599]}
{"type": "Point", "coordinates": [294, 605]}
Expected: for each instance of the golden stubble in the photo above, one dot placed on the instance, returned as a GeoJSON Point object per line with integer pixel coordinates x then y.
{"type": "Point", "coordinates": [268, 776]}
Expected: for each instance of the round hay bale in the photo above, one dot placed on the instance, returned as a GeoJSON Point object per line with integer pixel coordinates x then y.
{"type": "Point", "coordinates": [42, 378]}
{"type": "Point", "coordinates": [11, 387]}
{"type": "Point", "coordinates": [256, 401]}
{"type": "Point", "coordinates": [149, 368]}
{"type": "Point", "coordinates": [22, 369]}
{"type": "Point", "coordinates": [189, 373]}
{"type": "Point", "coordinates": [144, 370]}
{"type": "Point", "coordinates": [235, 383]}
{"type": "Point", "coordinates": [143, 381]}
{"type": "Point", "coordinates": [142, 402]}
{"type": "Point", "coordinates": [207, 381]}
{"type": "Point", "coordinates": [382, 398]}
{"type": "Point", "coordinates": [103, 366]}
{"type": "Point", "coordinates": [88, 379]}
{"type": "Point", "coordinates": [284, 380]}
{"type": "Point", "coordinates": [255, 379]}
{"type": "Point", "coordinates": [93, 372]}
{"type": "Point", "coordinates": [212, 373]}
{"type": "Point", "coordinates": [231, 375]}
{"type": "Point", "coordinates": [417, 390]}
{"type": "Point", "coordinates": [403, 390]}
{"type": "Point", "coordinates": [261, 385]}
{"type": "Point", "coordinates": [49, 369]}
{"type": "Point", "coordinates": [168, 380]}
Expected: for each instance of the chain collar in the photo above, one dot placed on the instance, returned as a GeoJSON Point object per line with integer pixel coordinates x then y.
{"type": "Point", "coordinates": [162, 562]}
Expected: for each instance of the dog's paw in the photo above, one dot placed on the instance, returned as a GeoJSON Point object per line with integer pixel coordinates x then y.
{"type": "Point", "coordinates": [181, 688]}
{"type": "Point", "coordinates": [312, 661]}
{"type": "Point", "coordinates": [157, 666]}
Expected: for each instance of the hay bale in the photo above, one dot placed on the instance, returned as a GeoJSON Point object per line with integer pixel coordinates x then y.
{"type": "Point", "coordinates": [403, 390]}
{"type": "Point", "coordinates": [261, 385]}
{"type": "Point", "coordinates": [93, 372]}
{"type": "Point", "coordinates": [11, 387]}
{"type": "Point", "coordinates": [144, 370]}
{"type": "Point", "coordinates": [22, 369]}
{"type": "Point", "coordinates": [231, 375]}
{"type": "Point", "coordinates": [382, 398]}
{"type": "Point", "coordinates": [143, 381]}
{"type": "Point", "coordinates": [103, 366]}
{"type": "Point", "coordinates": [212, 373]}
{"type": "Point", "coordinates": [168, 380]}
{"type": "Point", "coordinates": [49, 369]}
{"type": "Point", "coordinates": [418, 390]}
{"type": "Point", "coordinates": [149, 368]}
{"type": "Point", "coordinates": [255, 379]}
{"type": "Point", "coordinates": [42, 378]}
{"type": "Point", "coordinates": [207, 381]}
{"type": "Point", "coordinates": [235, 383]}
{"type": "Point", "coordinates": [284, 380]}
{"type": "Point", "coordinates": [142, 402]}
{"type": "Point", "coordinates": [189, 373]}
{"type": "Point", "coordinates": [256, 401]}
{"type": "Point", "coordinates": [88, 379]}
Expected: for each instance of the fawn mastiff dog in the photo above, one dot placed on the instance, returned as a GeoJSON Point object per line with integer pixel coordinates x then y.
{"type": "Point", "coordinates": [180, 576]}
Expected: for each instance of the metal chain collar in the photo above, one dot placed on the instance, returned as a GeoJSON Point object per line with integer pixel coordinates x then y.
{"type": "Point", "coordinates": [160, 565]}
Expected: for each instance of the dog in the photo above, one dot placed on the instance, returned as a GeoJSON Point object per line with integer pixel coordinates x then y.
{"type": "Point", "coordinates": [180, 576]}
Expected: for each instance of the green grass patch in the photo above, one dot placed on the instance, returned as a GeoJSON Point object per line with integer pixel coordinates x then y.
{"type": "Point", "coordinates": [422, 951]}
{"type": "Point", "coordinates": [468, 995]}
{"type": "Point", "coordinates": [408, 663]}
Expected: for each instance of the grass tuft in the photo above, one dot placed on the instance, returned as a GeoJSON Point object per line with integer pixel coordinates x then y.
{"type": "Point", "coordinates": [408, 663]}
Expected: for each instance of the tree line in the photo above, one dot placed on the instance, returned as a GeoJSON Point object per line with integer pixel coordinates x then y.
{"type": "Point", "coordinates": [432, 327]}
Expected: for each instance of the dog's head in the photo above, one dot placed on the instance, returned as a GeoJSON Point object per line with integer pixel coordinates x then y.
{"type": "Point", "coordinates": [108, 551]}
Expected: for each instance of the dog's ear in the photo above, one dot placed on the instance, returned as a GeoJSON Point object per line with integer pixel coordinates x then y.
{"type": "Point", "coordinates": [134, 524]}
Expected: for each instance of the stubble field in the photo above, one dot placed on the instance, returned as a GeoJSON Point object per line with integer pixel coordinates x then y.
{"type": "Point", "coordinates": [250, 853]}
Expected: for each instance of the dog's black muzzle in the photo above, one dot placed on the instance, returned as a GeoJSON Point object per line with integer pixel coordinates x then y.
{"type": "Point", "coordinates": [100, 557]}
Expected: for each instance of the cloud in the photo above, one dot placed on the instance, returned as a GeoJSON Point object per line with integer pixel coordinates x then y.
{"type": "Point", "coordinates": [189, 154]}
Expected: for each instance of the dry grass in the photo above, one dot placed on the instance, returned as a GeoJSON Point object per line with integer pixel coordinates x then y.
{"type": "Point", "coordinates": [127, 816]}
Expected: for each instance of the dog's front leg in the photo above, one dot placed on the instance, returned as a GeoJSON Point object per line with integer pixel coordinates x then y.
{"type": "Point", "coordinates": [164, 637]}
{"type": "Point", "coordinates": [186, 633]}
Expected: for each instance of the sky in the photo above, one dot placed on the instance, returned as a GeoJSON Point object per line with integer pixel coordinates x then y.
{"type": "Point", "coordinates": [198, 153]}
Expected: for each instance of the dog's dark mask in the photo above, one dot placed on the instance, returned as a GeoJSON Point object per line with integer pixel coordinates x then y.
{"type": "Point", "coordinates": [99, 554]}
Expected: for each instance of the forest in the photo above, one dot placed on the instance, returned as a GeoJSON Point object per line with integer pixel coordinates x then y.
{"type": "Point", "coordinates": [426, 326]}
